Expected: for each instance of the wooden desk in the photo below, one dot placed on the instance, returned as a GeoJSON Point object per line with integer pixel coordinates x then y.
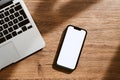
{"type": "Point", "coordinates": [100, 59]}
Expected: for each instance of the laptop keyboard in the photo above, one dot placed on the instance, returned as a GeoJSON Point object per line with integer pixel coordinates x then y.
{"type": "Point", "coordinates": [13, 21]}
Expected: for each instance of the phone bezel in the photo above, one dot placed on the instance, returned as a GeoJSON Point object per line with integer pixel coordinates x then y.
{"type": "Point", "coordinates": [64, 34]}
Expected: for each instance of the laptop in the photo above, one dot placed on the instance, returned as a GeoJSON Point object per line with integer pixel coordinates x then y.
{"type": "Point", "coordinates": [19, 36]}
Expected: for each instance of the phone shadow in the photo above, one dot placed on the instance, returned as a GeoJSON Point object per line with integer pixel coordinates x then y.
{"type": "Point", "coordinates": [113, 72]}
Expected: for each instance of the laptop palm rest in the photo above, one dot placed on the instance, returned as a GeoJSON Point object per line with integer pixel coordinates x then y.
{"type": "Point", "coordinates": [8, 54]}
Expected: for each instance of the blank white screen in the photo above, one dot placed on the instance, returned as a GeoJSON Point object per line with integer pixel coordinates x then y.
{"type": "Point", "coordinates": [71, 47]}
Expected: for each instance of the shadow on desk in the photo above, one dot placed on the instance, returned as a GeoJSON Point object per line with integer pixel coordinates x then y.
{"type": "Point", "coordinates": [113, 72]}
{"type": "Point", "coordinates": [48, 18]}
{"type": "Point", "coordinates": [5, 73]}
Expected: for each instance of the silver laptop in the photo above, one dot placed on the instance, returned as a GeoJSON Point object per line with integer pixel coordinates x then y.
{"type": "Point", "coordinates": [19, 36]}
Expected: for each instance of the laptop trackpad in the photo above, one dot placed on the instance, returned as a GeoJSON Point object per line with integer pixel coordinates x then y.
{"type": "Point", "coordinates": [8, 54]}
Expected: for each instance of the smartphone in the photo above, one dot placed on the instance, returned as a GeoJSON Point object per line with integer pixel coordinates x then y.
{"type": "Point", "coordinates": [71, 47]}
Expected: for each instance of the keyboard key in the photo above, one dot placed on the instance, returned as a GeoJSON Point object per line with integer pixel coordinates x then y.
{"type": "Point", "coordinates": [12, 6]}
{"type": "Point", "coordinates": [1, 22]}
{"type": "Point", "coordinates": [17, 3]}
{"type": "Point", "coordinates": [9, 36]}
{"type": "Point", "coordinates": [1, 34]}
{"type": "Point", "coordinates": [18, 7]}
{"type": "Point", "coordinates": [2, 15]}
{"type": "Point", "coordinates": [6, 9]}
{"type": "Point", "coordinates": [20, 18]}
{"type": "Point", "coordinates": [19, 32]}
{"type": "Point", "coordinates": [6, 19]}
{"type": "Point", "coordinates": [5, 32]}
{"type": "Point", "coordinates": [11, 17]}
{"type": "Point", "coordinates": [11, 11]}
{"type": "Point", "coordinates": [24, 28]}
{"type": "Point", "coordinates": [10, 23]}
{"type": "Point", "coordinates": [15, 21]}
{"type": "Point", "coordinates": [10, 29]}
{"type": "Point", "coordinates": [1, 11]}
{"type": "Point", "coordinates": [1, 28]}
{"type": "Point", "coordinates": [7, 13]}
{"type": "Point", "coordinates": [14, 33]}
{"type": "Point", "coordinates": [29, 27]}
{"type": "Point", "coordinates": [5, 26]}
{"type": "Point", "coordinates": [15, 27]}
{"type": "Point", "coordinates": [23, 13]}
{"type": "Point", "coordinates": [16, 14]}
{"type": "Point", "coordinates": [24, 23]}
{"type": "Point", "coordinates": [2, 40]}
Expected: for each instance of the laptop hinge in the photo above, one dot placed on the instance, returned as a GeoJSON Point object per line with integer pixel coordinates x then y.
{"type": "Point", "coordinates": [6, 4]}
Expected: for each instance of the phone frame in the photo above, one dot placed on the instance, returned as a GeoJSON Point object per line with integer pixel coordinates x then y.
{"type": "Point", "coordinates": [61, 43]}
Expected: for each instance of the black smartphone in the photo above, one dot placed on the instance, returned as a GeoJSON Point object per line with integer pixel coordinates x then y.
{"type": "Point", "coordinates": [71, 47]}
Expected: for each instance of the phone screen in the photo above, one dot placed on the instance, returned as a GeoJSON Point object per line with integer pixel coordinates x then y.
{"type": "Point", "coordinates": [71, 47]}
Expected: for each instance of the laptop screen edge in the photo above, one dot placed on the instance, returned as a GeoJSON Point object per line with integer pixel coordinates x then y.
{"type": "Point", "coordinates": [2, 2]}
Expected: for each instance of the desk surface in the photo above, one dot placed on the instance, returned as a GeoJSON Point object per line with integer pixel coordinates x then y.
{"type": "Point", "coordinates": [100, 58]}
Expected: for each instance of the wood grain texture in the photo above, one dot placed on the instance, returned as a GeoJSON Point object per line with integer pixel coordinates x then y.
{"type": "Point", "coordinates": [100, 58]}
